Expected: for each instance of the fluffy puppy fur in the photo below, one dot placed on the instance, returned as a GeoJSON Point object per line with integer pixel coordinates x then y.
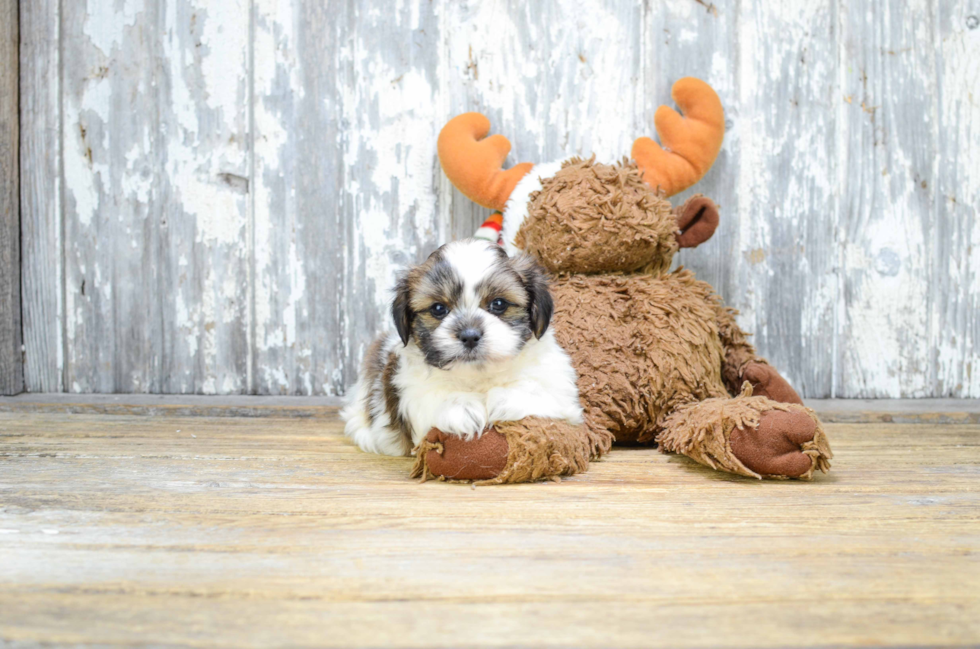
{"type": "Point", "coordinates": [471, 347]}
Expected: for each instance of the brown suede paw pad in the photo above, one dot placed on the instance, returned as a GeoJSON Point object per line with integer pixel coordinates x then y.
{"type": "Point", "coordinates": [775, 447]}
{"type": "Point", "coordinates": [453, 458]}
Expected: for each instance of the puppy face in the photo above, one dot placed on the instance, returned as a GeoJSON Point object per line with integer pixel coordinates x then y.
{"type": "Point", "coordinates": [470, 303]}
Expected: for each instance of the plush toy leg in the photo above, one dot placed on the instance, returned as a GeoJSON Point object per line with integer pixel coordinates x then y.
{"type": "Point", "coordinates": [767, 382]}
{"type": "Point", "coordinates": [514, 451]}
{"type": "Point", "coordinates": [750, 436]}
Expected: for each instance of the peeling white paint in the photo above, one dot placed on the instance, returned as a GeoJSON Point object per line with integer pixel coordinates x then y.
{"type": "Point", "coordinates": [105, 23]}
{"type": "Point", "coordinates": [398, 147]}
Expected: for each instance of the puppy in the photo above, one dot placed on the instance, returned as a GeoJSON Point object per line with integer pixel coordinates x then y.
{"type": "Point", "coordinates": [471, 347]}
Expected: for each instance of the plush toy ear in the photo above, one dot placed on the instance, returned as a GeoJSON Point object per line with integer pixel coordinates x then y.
{"type": "Point", "coordinates": [401, 309]}
{"type": "Point", "coordinates": [535, 280]}
{"type": "Point", "coordinates": [697, 219]}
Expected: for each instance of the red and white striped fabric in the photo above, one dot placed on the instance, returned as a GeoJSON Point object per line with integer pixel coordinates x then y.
{"type": "Point", "coordinates": [490, 230]}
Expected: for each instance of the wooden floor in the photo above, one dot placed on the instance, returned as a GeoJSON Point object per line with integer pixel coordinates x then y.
{"type": "Point", "coordinates": [121, 530]}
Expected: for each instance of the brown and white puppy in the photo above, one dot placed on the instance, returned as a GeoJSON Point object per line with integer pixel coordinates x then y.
{"type": "Point", "coordinates": [471, 347]}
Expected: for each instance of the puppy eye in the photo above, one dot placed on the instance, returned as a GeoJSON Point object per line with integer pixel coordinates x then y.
{"type": "Point", "coordinates": [438, 310]}
{"type": "Point", "coordinates": [498, 306]}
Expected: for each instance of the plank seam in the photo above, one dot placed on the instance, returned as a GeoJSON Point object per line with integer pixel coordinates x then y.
{"type": "Point", "coordinates": [837, 98]}
{"type": "Point", "coordinates": [12, 378]}
{"type": "Point", "coordinates": [62, 254]}
{"type": "Point", "coordinates": [250, 385]}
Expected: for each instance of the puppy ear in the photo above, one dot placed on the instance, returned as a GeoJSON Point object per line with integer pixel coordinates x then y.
{"type": "Point", "coordinates": [535, 279]}
{"type": "Point", "coordinates": [401, 310]}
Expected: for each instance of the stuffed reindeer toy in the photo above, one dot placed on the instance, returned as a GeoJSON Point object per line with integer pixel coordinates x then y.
{"type": "Point", "coordinates": [660, 361]}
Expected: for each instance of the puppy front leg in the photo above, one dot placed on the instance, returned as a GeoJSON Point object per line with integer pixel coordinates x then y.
{"type": "Point", "coordinates": [529, 400]}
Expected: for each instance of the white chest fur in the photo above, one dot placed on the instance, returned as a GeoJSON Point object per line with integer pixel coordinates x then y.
{"type": "Point", "coordinates": [464, 399]}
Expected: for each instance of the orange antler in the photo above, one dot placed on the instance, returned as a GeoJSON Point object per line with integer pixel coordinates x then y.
{"type": "Point", "coordinates": [473, 163]}
{"type": "Point", "coordinates": [691, 143]}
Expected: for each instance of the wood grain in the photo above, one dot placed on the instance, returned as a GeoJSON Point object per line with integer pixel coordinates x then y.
{"type": "Point", "coordinates": [243, 195]}
{"type": "Point", "coordinates": [11, 357]}
{"type": "Point", "coordinates": [956, 279]}
{"type": "Point", "coordinates": [124, 530]}
{"type": "Point", "coordinates": [891, 251]}
{"type": "Point", "coordinates": [389, 77]}
{"type": "Point", "coordinates": [156, 139]}
{"type": "Point", "coordinates": [346, 116]}
{"type": "Point", "coordinates": [42, 249]}
{"type": "Point", "coordinates": [553, 91]}
{"type": "Point", "coordinates": [298, 264]}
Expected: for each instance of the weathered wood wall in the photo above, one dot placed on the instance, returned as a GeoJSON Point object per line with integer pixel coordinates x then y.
{"type": "Point", "coordinates": [11, 358]}
{"type": "Point", "coordinates": [216, 196]}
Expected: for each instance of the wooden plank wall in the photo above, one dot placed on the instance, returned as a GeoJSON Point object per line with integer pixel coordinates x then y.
{"type": "Point", "coordinates": [217, 196]}
{"type": "Point", "coordinates": [11, 357]}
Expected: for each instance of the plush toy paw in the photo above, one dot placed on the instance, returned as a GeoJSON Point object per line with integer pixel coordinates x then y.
{"type": "Point", "coordinates": [455, 458]}
{"type": "Point", "coordinates": [776, 447]}
{"type": "Point", "coordinates": [528, 450]}
{"type": "Point", "coordinates": [767, 382]}
{"type": "Point", "coordinates": [749, 435]}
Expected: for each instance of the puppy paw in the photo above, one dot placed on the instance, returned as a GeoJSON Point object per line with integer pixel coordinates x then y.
{"type": "Point", "coordinates": [463, 417]}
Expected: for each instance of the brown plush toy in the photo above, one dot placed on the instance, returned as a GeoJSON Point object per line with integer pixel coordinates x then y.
{"type": "Point", "coordinates": [659, 359]}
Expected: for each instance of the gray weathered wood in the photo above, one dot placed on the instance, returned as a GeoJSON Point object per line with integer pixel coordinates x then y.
{"type": "Point", "coordinates": [11, 363]}
{"type": "Point", "coordinates": [888, 183]}
{"type": "Point", "coordinates": [298, 174]}
{"type": "Point", "coordinates": [390, 80]}
{"type": "Point", "coordinates": [956, 279]}
{"type": "Point", "coordinates": [346, 117]}
{"type": "Point", "coordinates": [553, 91]}
{"type": "Point", "coordinates": [237, 183]}
{"type": "Point", "coordinates": [156, 140]}
{"type": "Point", "coordinates": [40, 173]}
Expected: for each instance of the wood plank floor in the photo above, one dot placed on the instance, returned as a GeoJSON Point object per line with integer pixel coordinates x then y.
{"type": "Point", "coordinates": [121, 530]}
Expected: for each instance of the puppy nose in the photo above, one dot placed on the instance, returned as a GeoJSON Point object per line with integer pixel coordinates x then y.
{"type": "Point", "coordinates": [470, 337]}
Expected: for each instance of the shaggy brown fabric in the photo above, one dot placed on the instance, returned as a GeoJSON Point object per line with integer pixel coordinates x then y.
{"type": "Point", "coordinates": [592, 217]}
{"type": "Point", "coordinates": [767, 382]}
{"type": "Point", "coordinates": [697, 220]}
{"type": "Point", "coordinates": [703, 431]}
{"type": "Point", "coordinates": [537, 449]}
{"type": "Point", "coordinates": [642, 345]}
{"type": "Point", "coordinates": [739, 352]}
